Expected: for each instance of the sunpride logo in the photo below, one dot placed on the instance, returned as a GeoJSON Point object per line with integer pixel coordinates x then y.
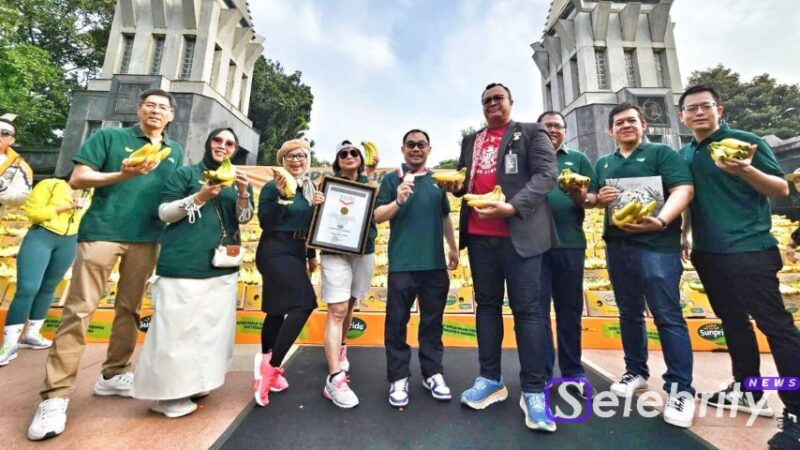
{"type": "Point", "coordinates": [357, 328]}
{"type": "Point", "coordinates": [712, 332]}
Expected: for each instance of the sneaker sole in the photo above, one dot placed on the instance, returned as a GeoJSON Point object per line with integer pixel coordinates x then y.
{"type": "Point", "coordinates": [35, 347]}
{"type": "Point", "coordinates": [172, 415]}
{"type": "Point", "coordinates": [398, 405]}
{"type": "Point", "coordinates": [434, 394]}
{"type": "Point", "coordinates": [763, 412]}
{"type": "Point", "coordinates": [333, 400]}
{"type": "Point", "coordinates": [678, 423]}
{"type": "Point", "coordinates": [257, 380]}
{"type": "Point", "coordinates": [624, 395]}
{"type": "Point", "coordinates": [48, 435]}
{"type": "Point", "coordinates": [105, 392]}
{"type": "Point", "coordinates": [536, 426]}
{"type": "Point", "coordinates": [10, 358]}
{"type": "Point", "coordinates": [497, 396]}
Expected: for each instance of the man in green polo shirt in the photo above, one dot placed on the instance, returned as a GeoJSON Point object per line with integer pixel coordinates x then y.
{"type": "Point", "coordinates": [419, 215]}
{"type": "Point", "coordinates": [562, 265]}
{"type": "Point", "coordinates": [644, 261]}
{"type": "Point", "coordinates": [737, 257]}
{"type": "Point", "coordinates": [122, 225]}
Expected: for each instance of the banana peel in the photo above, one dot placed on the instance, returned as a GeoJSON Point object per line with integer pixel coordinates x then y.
{"type": "Point", "coordinates": [225, 173]}
{"type": "Point", "coordinates": [290, 183]}
{"type": "Point", "coordinates": [729, 149]}
{"type": "Point", "coordinates": [451, 176]}
{"type": "Point", "coordinates": [370, 152]}
{"type": "Point", "coordinates": [148, 152]}
{"type": "Point", "coordinates": [633, 213]}
{"type": "Point", "coordinates": [568, 180]}
{"type": "Point", "coordinates": [484, 200]}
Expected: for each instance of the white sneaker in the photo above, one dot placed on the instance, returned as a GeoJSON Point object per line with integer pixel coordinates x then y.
{"type": "Point", "coordinates": [337, 390]}
{"type": "Point", "coordinates": [438, 387]}
{"type": "Point", "coordinates": [398, 393]}
{"type": "Point", "coordinates": [49, 420]}
{"type": "Point", "coordinates": [174, 408]}
{"type": "Point", "coordinates": [628, 384]}
{"type": "Point", "coordinates": [344, 364]}
{"type": "Point", "coordinates": [117, 385]}
{"type": "Point", "coordinates": [679, 410]}
{"type": "Point", "coordinates": [8, 353]}
{"type": "Point", "coordinates": [36, 342]}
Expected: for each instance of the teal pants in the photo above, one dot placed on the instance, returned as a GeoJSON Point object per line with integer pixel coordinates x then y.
{"type": "Point", "coordinates": [43, 259]}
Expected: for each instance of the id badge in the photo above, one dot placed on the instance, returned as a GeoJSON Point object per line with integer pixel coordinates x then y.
{"type": "Point", "coordinates": [511, 164]}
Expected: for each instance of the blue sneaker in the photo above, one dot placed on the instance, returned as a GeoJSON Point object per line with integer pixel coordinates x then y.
{"type": "Point", "coordinates": [484, 392]}
{"type": "Point", "coordinates": [533, 406]}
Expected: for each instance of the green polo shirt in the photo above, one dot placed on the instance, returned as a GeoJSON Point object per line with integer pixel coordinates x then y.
{"type": "Point", "coordinates": [568, 216]}
{"type": "Point", "coordinates": [187, 248]}
{"type": "Point", "coordinates": [416, 240]}
{"type": "Point", "coordinates": [276, 217]}
{"type": "Point", "coordinates": [126, 211]}
{"type": "Point", "coordinates": [729, 216]}
{"type": "Point", "coordinates": [647, 160]}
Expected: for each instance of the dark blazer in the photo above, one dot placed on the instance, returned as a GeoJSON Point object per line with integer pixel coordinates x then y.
{"type": "Point", "coordinates": [532, 229]}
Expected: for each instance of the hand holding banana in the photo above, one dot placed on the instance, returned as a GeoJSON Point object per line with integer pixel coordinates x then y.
{"type": "Point", "coordinates": [286, 183]}
{"type": "Point", "coordinates": [451, 180]}
{"type": "Point", "coordinates": [732, 155]}
{"type": "Point", "coordinates": [371, 153]}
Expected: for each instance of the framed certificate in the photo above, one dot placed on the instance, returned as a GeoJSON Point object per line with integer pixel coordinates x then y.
{"type": "Point", "coordinates": [341, 224]}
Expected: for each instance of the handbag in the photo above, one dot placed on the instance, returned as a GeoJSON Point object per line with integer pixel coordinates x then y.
{"type": "Point", "coordinates": [226, 256]}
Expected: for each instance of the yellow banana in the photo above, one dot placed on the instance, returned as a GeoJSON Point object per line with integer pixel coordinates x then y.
{"type": "Point", "coordinates": [144, 152]}
{"type": "Point", "coordinates": [729, 148]}
{"type": "Point", "coordinates": [646, 211]}
{"type": "Point", "coordinates": [484, 200]}
{"type": "Point", "coordinates": [568, 179]}
{"type": "Point", "coordinates": [696, 285]}
{"type": "Point", "coordinates": [450, 176]}
{"type": "Point", "coordinates": [625, 211]}
{"type": "Point", "coordinates": [290, 187]}
{"type": "Point", "coordinates": [371, 151]}
{"type": "Point", "coordinates": [225, 173]}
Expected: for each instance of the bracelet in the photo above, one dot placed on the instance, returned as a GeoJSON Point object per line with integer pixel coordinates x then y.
{"type": "Point", "coordinates": [664, 223]}
{"type": "Point", "coordinates": [398, 203]}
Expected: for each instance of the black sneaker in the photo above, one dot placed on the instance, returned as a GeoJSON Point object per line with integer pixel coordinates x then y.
{"type": "Point", "coordinates": [735, 398]}
{"type": "Point", "coordinates": [789, 436]}
{"type": "Point", "coordinates": [578, 390]}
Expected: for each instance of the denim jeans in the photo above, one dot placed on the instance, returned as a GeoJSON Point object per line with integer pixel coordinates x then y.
{"type": "Point", "coordinates": [638, 275]}
{"type": "Point", "coordinates": [494, 262]}
{"type": "Point", "coordinates": [562, 279]}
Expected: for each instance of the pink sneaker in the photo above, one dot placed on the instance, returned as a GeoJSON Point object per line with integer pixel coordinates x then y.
{"type": "Point", "coordinates": [344, 364]}
{"type": "Point", "coordinates": [279, 384]}
{"type": "Point", "coordinates": [263, 377]}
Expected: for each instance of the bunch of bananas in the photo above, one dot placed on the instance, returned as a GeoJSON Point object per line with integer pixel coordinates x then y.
{"type": "Point", "coordinates": [147, 152]}
{"type": "Point", "coordinates": [597, 284]}
{"type": "Point", "coordinates": [11, 250]}
{"type": "Point", "coordinates": [729, 149]}
{"type": "Point", "coordinates": [290, 183]}
{"type": "Point", "coordinates": [225, 173]}
{"type": "Point", "coordinates": [595, 263]}
{"type": "Point", "coordinates": [787, 289]}
{"type": "Point", "coordinates": [696, 285]}
{"type": "Point", "coordinates": [450, 176]}
{"type": "Point", "coordinates": [249, 275]}
{"type": "Point", "coordinates": [569, 180]}
{"type": "Point", "coordinates": [250, 235]}
{"type": "Point", "coordinates": [7, 271]}
{"type": "Point", "coordinates": [633, 213]}
{"type": "Point", "coordinates": [484, 200]}
{"type": "Point", "coordinates": [14, 217]}
{"type": "Point", "coordinates": [371, 151]}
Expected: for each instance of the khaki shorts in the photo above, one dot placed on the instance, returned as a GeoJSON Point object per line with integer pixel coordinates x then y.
{"type": "Point", "coordinates": [345, 276]}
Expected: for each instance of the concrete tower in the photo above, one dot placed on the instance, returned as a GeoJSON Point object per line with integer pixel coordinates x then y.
{"type": "Point", "coordinates": [202, 51]}
{"type": "Point", "coordinates": [596, 54]}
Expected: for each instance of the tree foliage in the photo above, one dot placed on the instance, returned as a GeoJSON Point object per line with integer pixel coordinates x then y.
{"type": "Point", "coordinates": [280, 107]}
{"type": "Point", "coordinates": [447, 164]}
{"type": "Point", "coordinates": [762, 105]}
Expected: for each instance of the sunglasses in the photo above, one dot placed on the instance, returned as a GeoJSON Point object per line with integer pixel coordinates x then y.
{"type": "Point", "coordinates": [422, 145]}
{"type": "Point", "coordinates": [493, 99]}
{"type": "Point", "coordinates": [229, 145]}
{"type": "Point", "coordinates": [345, 152]}
{"type": "Point", "coordinates": [6, 133]}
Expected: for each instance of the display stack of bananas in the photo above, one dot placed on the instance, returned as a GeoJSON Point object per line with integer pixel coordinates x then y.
{"type": "Point", "coordinates": [595, 263]}
{"type": "Point", "coordinates": [149, 153]}
{"type": "Point", "coordinates": [14, 217]}
{"type": "Point", "coordinates": [484, 200]}
{"type": "Point", "coordinates": [633, 213]}
{"type": "Point", "coordinates": [450, 176]}
{"type": "Point", "coordinates": [11, 250]}
{"type": "Point", "coordinates": [250, 235]}
{"type": "Point", "coordinates": [787, 289]}
{"type": "Point", "coordinates": [569, 180]}
{"type": "Point", "coordinates": [729, 149]}
{"type": "Point", "coordinates": [7, 271]}
{"type": "Point", "coordinates": [249, 275]}
{"type": "Point", "coordinates": [225, 173]}
{"type": "Point", "coordinates": [290, 183]}
{"type": "Point", "coordinates": [249, 255]}
{"type": "Point", "coordinates": [597, 284]}
{"type": "Point", "coordinates": [370, 152]}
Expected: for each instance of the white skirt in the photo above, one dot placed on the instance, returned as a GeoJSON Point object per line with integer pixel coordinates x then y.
{"type": "Point", "coordinates": [189, 344]}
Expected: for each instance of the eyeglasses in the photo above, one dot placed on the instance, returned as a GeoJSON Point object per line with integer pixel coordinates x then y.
{"type": "Point", "coordinates": [6, 133]}
{"type": "Point", "coordinates": [352, 152]}
{"type": "Point", "coordinates": [422, 145]}
{"type": "Point", "coordinates": [493, 99]}
{"type": "Point", "coordinates": [706, 107]}
{"type": "Point", "coordinates": [295, 157]}
{"type": "Point", "coordinates": [157, 106]}
{"type": "Point", "coordinates": [554, 126]}
{"type": "Point", "coordinates": [228, 144]}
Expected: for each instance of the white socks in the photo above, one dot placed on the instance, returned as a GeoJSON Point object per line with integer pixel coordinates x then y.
{"type": "Point", "coordinates": [11, 334]}
{"type": "Point", "coordinates": [34, 327]}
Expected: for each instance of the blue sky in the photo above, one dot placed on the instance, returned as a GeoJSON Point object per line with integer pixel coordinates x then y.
{"type": "Point", "coordinates": [379, 68]}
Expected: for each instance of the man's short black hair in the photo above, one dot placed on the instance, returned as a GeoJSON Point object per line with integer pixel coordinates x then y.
{"type": "Point", "coordinates": [624, 106]}
{"type": "Point", "coordinates": [551, 113]}
{"type": "Point", "coordinates": [491, 85]}
{"type": "Point", "coordinates": [416, 130]}
{"type": "Point", "coordinates": [696, 89]}
{"type": "Point", "coordinates": [158, 92]}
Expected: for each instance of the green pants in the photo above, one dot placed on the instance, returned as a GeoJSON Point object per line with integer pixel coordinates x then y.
{"type": "Point", "coordinates": [43, 259]}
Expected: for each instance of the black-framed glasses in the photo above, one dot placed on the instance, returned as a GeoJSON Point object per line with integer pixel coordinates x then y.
{"type": "Point", "coordinates": [6, 133]}
{"type": "Point", "coordinates": [422, 145]}
{"type": "Point", "coordinates": [227, 143]}
{"type": "Point", "coordinates": [498, 98]}
{"type": "Point", "coordinates": [706, 107]}
{"type": "Point", "coordinates": [554, 126]}
{"type": "Point", "coordinates": [343, 153]}
{"type": "Point", "coordinates": [296, 157]}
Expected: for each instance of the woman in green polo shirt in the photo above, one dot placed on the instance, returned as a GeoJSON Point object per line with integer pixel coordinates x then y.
{"type": "Point", "coordinates": [288, 297]}
{"type": "Point", "coordinates": [190, 339]}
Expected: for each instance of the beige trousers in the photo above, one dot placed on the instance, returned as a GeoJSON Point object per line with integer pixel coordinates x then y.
{"type": "Point", "coordinates": [92, 268]}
